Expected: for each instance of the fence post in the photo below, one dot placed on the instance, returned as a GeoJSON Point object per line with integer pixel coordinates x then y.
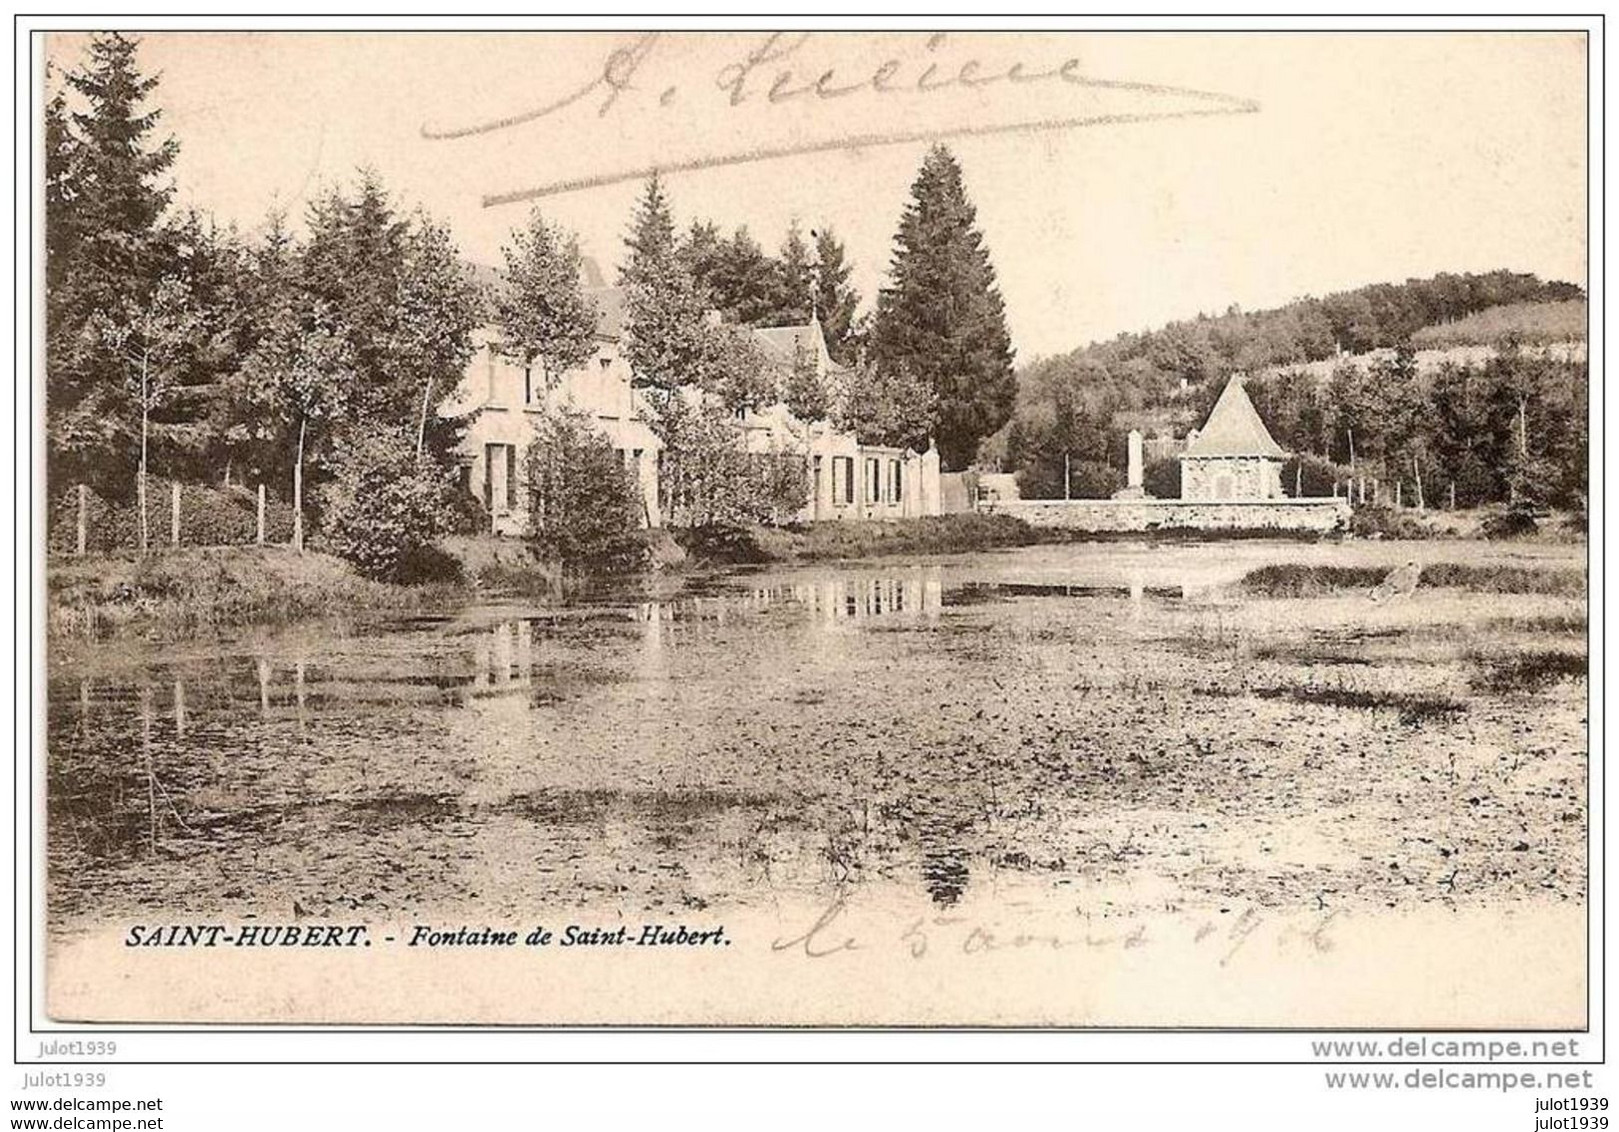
{"type": "Point", "coordinates": [84, 493]}
{"type": "Point", "coordinates": [174, 513]}
{"type": "Point", "coordinates": [261, 515]}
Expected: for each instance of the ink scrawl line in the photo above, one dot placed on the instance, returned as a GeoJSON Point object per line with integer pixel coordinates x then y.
{"type": "Point", "coordinates": [861, 141]}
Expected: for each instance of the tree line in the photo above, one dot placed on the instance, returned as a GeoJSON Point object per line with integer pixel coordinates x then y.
{"type": "Point", "coordinates": [317, 360]}
{"type": "Point", "coordinates": [1511, 427]}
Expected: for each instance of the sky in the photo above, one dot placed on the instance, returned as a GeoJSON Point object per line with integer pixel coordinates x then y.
{"type": "Point", "coordinates": [1121, 180]}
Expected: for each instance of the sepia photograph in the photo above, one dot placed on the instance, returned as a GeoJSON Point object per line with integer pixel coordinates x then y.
{"type": "Point", "coordinates": [745, 528]}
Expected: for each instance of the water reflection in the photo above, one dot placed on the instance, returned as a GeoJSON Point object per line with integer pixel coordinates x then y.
{"type": "Point", "coordinates": [567, 737]}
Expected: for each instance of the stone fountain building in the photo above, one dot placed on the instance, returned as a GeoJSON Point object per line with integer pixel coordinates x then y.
{"type": "Point", "coordinates": [1233, 457]}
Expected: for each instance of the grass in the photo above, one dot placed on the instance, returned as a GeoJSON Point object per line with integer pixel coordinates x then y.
{"type": "Point", "coordinates": [1504, 579]}
{"type": "Point", "coordinates": [1536, 323]}
{"type": "Point", "coordinates": [1288, 579]}
{"type": "Point", "coordinates": [1414, 707]}
{"type": "Point", "coordinates": [937, 534]}
{"type": "Point", "coordinates": [1295, 580]}
{"type": "Point", "coordinates": [1527, 672]}
{"type": "Point", "coordinates": [182, 592]}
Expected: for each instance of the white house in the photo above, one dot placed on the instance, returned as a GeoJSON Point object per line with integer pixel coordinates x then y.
{"type": "Point", "coordinates": [850, 480]}
{"type": "Point", "coordinates": [509, 396]}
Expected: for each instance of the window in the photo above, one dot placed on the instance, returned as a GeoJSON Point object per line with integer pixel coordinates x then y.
{"type": "Point", "coordinates": [874, 481]}
{"type": "Point", "coordinates": [896, 485]}
{"type": "Point", "coordinates": [528, 385]}
{"type": "Point", "coordinates": [491, 453]}
{"type": "Point", "coordinates": [511, 476]}
{"type": "Point", "coordinates": [843, 479]}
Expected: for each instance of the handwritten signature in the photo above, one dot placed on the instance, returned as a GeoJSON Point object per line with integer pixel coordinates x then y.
{"type": "Point", "coordinates": [830, 935]}
{"type": "Point", "coordinates": [773, 72]}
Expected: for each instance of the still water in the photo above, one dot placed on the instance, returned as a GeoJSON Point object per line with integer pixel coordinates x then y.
{"type": "Point", "coordinates": [932, 723]}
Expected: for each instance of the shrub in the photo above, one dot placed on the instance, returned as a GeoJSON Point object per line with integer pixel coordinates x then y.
{"type": "Point", "coordinates": [386, 506]}
{"type": "Point", "coordinates": [467, 515]}
{"type": "Point", "coordinates": [1375, 520]}
{"type": "Point", "coordinates": [783, 486]}
{"type": "Point", "coordinates": [583, 503]}
{"type": "Point", "coordinates": [1287, 579]}
{"type": "Point", "coordinates": [1504, 579]}
{"type": "Point", "coordinates": [1090, 479]}
{"type": "Point", "coordinates": [1162, 478]}
{"type": "Point", "coordinates": [1310, 476]}
{"type": "Point", "coordinates": [1510, 523]}
{"type": "Point", "coordinates": [1527, 672]}
{"type": "Point", "coordinates": [711, 479]}
{"type": "Point", "coordinates": [209, 516]}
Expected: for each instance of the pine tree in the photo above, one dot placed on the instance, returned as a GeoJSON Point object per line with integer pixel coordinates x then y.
{"type": "Point", "coordinates": [352, 265]}
{"type": "Point", "coordinates": [942, 318]}
{"type": "Point", "coordinates": [104, 201]}
{"type": "Point", "coordinates": [665, 317]}
{"type": "Point", "coordinates": [794, 280]}
{"type": "Point", "coordinates": [835, 300]}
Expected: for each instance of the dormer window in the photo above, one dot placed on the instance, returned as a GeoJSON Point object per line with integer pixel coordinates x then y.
{"type": "Point", "coordinates": [605, 361]}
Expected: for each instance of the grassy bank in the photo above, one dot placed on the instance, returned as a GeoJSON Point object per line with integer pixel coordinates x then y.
{"type": "Point", "coordinates": [174, 593]}
{"type": "Point", "coordinates": [820, 542]}
{"type": "Point", "coordinates": [1296, 580]}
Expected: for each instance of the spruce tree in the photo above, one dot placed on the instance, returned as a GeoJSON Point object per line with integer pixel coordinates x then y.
{"type": "Point", "coordinates": [794, 280]}
{"type": "Point", "coordinates": [664, 309]}
{"type": "Point", "coordinates": [104, 202]}
{"type": "Point", "coordinates": [835, 300]}
{"type": "Point", "coordinates": [942, 317]}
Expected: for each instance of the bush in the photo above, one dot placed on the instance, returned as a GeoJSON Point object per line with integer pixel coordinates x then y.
{"type": "Point", "coordinates": [1090, 479]}
{"type": "Point", "coordinates": [1162, 478]}
{"type": "Point", "coordinates": [1375, 520]}
{"type": "Point", "coordinates": [711, 479]}
{"type": "Point", "coordinates": [1510, 523]}
{"type": "Point", "coordinates": [209, 516]}
{"type": "Point", "coordinates": [468, 515]}
{"type": "Point", "coordinates": [386, 507]}
{"type": "Point", "coordinates": [584, 506]}
{"type": "Point", "coordinates": [1310, 476]}
{"type": "Point", "coordinates": [1087, 479]}
{"type": "Point", "coordinates": [1505, 579]}
{"type": "Point", "coordinates": [1287, 579]}
{"type": "Point", "coordinates": [783, 486]}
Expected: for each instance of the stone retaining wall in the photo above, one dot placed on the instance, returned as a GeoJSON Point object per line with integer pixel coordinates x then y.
{"type": "Point", "coordinates": [1322, 515]}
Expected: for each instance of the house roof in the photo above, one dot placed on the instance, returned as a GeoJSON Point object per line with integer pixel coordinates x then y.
{"type": "Point", "coordinates": [782, 343]}
{"type": "Point", "coordinates": [609, 300]}
{"type": "Point", "coordinates": [609, 311]}
{"type": "Point", "coordinates": [1234, 428]}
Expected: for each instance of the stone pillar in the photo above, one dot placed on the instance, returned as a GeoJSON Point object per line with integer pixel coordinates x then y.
{"type": "Point", "coordinates": [1133, 488]}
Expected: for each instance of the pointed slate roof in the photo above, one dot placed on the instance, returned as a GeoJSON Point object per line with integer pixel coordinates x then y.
{"type": "Point", "coordinates": [1234, 428]}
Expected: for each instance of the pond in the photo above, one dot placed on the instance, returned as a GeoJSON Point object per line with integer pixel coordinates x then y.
{"type": "Point", "coordinates": [1092, 723]}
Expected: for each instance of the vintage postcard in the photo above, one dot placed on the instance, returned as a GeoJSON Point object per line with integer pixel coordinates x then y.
{"type": "Point", "coordinates": [746, 528]}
